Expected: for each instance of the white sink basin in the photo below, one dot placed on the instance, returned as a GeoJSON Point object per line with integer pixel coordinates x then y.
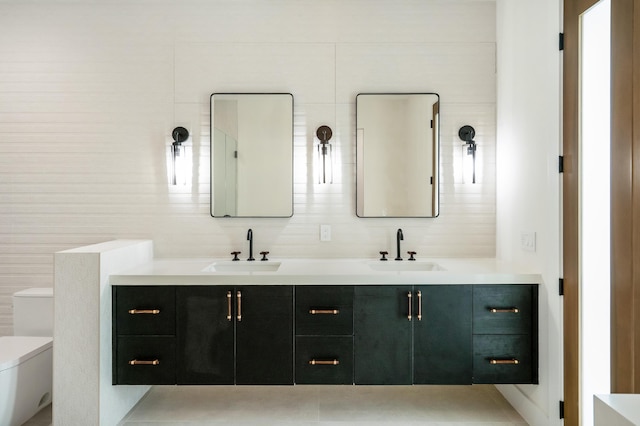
{"type": "Point", "coordinates": [405, 265]}
{"type": "Point", "coordinates": [242, 266]}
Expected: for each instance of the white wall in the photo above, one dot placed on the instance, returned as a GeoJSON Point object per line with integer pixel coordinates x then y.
{"type": "Point", "coordinates": [90, 91]}
{"type": "Point", "coordinates": [528, 182]}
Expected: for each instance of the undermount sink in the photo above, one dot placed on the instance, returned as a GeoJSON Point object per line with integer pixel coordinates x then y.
{"type": "Point", "coordinates": [405, 265]}
{"type": "Point", "coordinates": [242, 266]}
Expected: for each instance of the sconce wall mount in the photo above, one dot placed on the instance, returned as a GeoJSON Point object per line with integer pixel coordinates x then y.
{"type": "Point", "coordinates": [466, 134]}
{"type": "Point", "coordinates": [179, 135]}
{"type": "Point", "coordinates": [324, 134]}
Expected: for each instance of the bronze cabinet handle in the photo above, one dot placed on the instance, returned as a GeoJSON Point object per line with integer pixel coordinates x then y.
{"type": "Point", "coordinates": [504, 310]}
{"type": "Point", "coordinates": [409, 297]}
{"type": "Point", "coordinates": [324, 311]}
{"type": "Point", "coordinates": [144, 311]}
{"type": "Point", "coordinates": [419, 306]}
{"type": "Point", "coordinates": [324, 362]}
{"type": "Point", "coordinates": [239, 302]}
{"type": "Point", "coordinates": [512, 361]}
{"type": "Point", "coordinates": [144, 362]}
{"type": "Point", "coordinates": [229, 306]}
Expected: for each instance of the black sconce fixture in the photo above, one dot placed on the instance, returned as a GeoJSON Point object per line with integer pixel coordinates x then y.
{"type": "Point", "coordinates": [179, 134]}
{"type": "Point", "coordinates": [467, 133]}
{"type": "Point", "coordinates": [324, 134]}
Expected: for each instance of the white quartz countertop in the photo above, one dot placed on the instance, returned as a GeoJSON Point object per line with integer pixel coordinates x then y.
{"type": "Point", "coordinates": [324, 272]}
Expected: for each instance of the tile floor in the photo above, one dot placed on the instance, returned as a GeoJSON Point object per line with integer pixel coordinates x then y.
{"type": "Point", "coordinates": [478, 405]}
{"type": "Point", "coordinates": [324, 406]}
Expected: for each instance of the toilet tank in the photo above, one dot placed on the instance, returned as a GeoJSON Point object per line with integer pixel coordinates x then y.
{"type": "Point", "coordinates": [33, 312]}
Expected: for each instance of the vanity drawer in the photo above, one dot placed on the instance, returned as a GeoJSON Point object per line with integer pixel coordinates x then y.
{"type": "Point", "coordinates": [144, 310]}
{"type": "Point", "coordinates": [324, 360]}
{"type": "Point", "coordinates": [503, 309]}
{"type": "Point", "coordinates": [503, 359]}
{"type": "Point", "coordinates": [324, 310]}
{"type": "Point", "coordinates": [145, 360]}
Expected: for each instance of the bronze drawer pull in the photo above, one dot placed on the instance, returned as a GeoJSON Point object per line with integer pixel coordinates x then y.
{"type": "Point", "coordinates": [144, 311]}
{"type": "Point", "coordinates": [410, 305]}
{"type": "Point", "coordinates": [144, 362]}
{"type": "Point", "coordinates": [504, 310]}
{"type": "Point", "coordinates": [239, 302]}
{"type": "Point", "coordinates": [504, 361]}
{"type": "Point", "coordinates": [419, 306]}
{"type": "Point", "coordinates": [324, 311]}
{"type": "Point", "coordinates": [229, 306]}
{"type": "Point", "coordinates": [324, 362]}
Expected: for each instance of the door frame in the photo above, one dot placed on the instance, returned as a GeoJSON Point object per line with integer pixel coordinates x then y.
{"type": "Point", "coordinates": [625, 197]}
{"type": "Point", "coordinates": [571, 207]}
{"type": "Point", "coordinates": [625, 201]}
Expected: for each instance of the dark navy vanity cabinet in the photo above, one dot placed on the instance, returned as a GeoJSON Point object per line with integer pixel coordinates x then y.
{"type": "Point", "coordinates": [413, 334]}
{"type": "Point", "coordinates": [324, 335]}
{"type": "Point", "coordinates": [217, 335]}
{"type": "Point", "coordinates": [333, 334]}
{"type": "Point", "coordinates": [144, 330]}
{"type": "Point", "coordinates": [505, 334]}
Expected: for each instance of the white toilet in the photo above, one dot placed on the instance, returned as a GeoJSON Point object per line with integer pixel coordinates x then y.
{"type": "Point", "coordinates": [26, 362]}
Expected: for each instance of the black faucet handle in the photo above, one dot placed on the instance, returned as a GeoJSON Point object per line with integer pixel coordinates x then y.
{"type": "Point", "coordinates": [235, 255]}
{"type": "Point", "coordinates": [384, 255]}
{"type": "Point", "coordinates": [264, 255]}
{"type": "Point", "coordinates": [411, 254]}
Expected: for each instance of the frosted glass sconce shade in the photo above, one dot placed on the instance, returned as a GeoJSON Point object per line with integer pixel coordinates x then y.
{"type": "Point", "coordinates": [179, 166]}
{"type": "Point", "coordinates": [325, 150]}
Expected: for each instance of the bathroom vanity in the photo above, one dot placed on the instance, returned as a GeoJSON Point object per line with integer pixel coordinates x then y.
{"type": "Point", "coordinates": [324, 322]}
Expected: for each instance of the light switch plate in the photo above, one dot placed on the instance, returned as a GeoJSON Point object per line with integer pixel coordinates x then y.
{"type": "Point", "coordinates": [325, 232]}
{"type": "Point", "coordinates": [528, 240]}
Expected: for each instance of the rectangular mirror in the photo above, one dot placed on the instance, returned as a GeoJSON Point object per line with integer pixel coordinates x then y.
{"type": "Point", "coordinates": [251, 155]}
{"type": "Point", "coordinates": [397, 151]}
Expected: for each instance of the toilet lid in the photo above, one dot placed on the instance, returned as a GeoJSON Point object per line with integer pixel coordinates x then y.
{"type": "Point", "coordinates": [35, 292]}
{"type": "Point", "coordinates": [15, 350]}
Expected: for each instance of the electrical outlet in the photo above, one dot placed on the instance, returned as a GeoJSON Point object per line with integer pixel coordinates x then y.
{"type": "Point", "coordinates": [325, 232]}
{"type": "Point", "coordinates": [528, 240]}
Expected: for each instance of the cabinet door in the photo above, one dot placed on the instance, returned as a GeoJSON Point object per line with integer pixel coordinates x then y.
{"type": "Point", "coordinates": [145, 360]}
{"type": "Point", "coordinates": [382, 335]}
{"type": "Point", "coordinates": [324, 360]}
{"type": "Point", "coordinates": [144, 310]}
{"type": "Point", "coordinates": [324, 310]}
{"type": "Point", "coordinates": [503, 309]}
{"type": "Point", "coordinates": [205, 335]}
{"type": "Point", "coordinates": [443, 336]}
{"type": "Point", "coordinates": [264, 335]}
{"type": "Point", "coordinates": [506, 358]}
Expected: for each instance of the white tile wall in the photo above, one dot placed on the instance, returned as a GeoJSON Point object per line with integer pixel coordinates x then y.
{"type": "Point", "coordinates": [90, 91]}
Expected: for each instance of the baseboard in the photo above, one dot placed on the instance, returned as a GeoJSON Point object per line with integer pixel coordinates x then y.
{"type": "Point", "coordinates": [529, 411]}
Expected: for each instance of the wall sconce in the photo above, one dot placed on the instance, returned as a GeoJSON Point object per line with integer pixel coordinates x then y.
{"type": "Point", "coordinates": [467, 133]}
{"type": "Point", "coordinates": [179, 166]}
{"type": "Point", "coordinates": [324, 134]}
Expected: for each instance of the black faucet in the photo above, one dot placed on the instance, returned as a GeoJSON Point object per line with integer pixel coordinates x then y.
{"type": "Point", "coordinates": [250, 239]}
{"type": "Point", "coordinates": [399, 237]}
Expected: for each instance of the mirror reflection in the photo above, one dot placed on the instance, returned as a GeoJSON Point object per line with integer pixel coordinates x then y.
{"type": "Point", "coordinates": [251, 155]}
{"type": "Point", "coordinates": [397, 150]}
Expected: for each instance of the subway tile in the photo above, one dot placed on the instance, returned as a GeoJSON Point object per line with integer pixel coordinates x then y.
{"type": "Point", "coordinates": [87, 108]}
